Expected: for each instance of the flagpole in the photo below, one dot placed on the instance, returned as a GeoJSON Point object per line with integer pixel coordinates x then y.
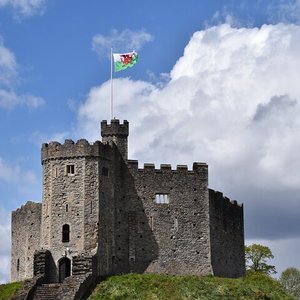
{"type": "Point", "coordinates": [111, 85]}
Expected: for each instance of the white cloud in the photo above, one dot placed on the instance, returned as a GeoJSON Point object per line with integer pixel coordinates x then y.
{"type": "Point", "coordinates": [126, 40]}
{"type": "Point", "coordinates": [9, 76]}
{"type": "Point", "coordinates": [9, 99]}
{"type": "Point", "coordinates": [24, 8]}
{"type": "Point", "coordinates": [233, 101]}
{"type": "Point", "coordinates": [8, 64]}
{"type": "Point", "coordinates": [14, 174]}
{"type": "Point", "coordinates": [4, 245]}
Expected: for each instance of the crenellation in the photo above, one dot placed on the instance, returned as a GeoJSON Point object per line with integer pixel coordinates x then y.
{"type": "Point", "coordinates": [218, 196]}
{"type": "Point", "coordinates": [182, 168]}
{"type": "Point", "coordinates": [115, 128]}
{"type": "Point", "coordinates": [82, 148]}
{"type": "Point", "coordinates": [165, 167]}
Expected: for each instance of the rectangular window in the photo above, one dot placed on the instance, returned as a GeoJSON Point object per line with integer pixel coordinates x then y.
{"type": "Point", "coordinates": [70, 169]}
{"type": "Point", "coordinates": [162, 198]}
{"type": "Point", "coordinates": [176, 224]}
{"type": "Point", "coordinates": [55, 172]}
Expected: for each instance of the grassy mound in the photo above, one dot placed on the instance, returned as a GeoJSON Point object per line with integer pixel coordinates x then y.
{"type": "Point", "coordinates": [163, 287]}
{"type": "Point", "coordinates": [8, 290]}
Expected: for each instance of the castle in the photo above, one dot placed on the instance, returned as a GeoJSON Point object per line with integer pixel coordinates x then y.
{"type": "Point", "coordinates": [102, 215]}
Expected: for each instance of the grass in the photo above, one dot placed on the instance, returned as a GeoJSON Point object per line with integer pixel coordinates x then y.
{"type": "Point", "coordinates": [163, 287]}
{"type": "Point", "coordinates": [8, 290]}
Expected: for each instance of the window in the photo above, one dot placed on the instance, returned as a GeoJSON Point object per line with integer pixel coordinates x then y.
{"type": "Point", "coordinates": [65, 233]}
{"type": "Point", "coordinates": [55, 172]}
{"type": "Point", "coordinates": [176, 224]}
{"type": "Point", "coordinates": [162, 198]}
{"type": "Point", "coordinates": [70, 169]}
{"type": "Point", "coordinates": [18, 265]}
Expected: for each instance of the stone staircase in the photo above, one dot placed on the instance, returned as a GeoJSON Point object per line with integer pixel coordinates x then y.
{"type": "Point", "coordinates": [46, 291]}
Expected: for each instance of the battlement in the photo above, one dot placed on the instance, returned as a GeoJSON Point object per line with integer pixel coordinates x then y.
{"type": "Point", "coordinates": [167, 168]}
{"type": "Point", "coordinates": [115, 128]}
{"type": "Point", "coordinates": [218, 196]}
{"type": "Point", "coordinates": [81, 148]}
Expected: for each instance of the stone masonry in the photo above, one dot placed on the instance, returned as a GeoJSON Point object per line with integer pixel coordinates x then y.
{"type": "Point", "coordinates": [100, 207]}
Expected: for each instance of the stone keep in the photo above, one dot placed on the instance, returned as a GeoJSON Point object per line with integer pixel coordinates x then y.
{"type": "Point", "coordinates": [99, 205]}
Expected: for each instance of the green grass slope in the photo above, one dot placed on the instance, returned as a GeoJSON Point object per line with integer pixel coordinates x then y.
{"type": "Point", "coordinates": [163, 287]}
{"type": "Point", "coordinates": [8, 290]}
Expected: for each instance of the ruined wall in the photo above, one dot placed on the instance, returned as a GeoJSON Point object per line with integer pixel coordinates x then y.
{"type": "Point", "coordinates": [71, 197]}
{"type": "Point", "coordinates": [227, 236]}
{"type": "Point", "coordinates": [25, 236]}
{"type": "Point", "coordinates": [171, 238]}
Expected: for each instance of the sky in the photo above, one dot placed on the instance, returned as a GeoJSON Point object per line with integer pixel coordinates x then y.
{"type": "Point", "coordinates": [216, 82]}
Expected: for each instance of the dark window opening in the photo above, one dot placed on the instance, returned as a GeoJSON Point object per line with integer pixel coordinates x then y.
{"type": "Point", "coordinates": [67, 207]}
{"type": "Point", "coordinates": [105, 171]}
{"type": "Point", "coordinates": [70, 169]}
{"type": "Point", "coordinates": [65, 233]}
{"type": "Point", "coordinates": [18, 265]}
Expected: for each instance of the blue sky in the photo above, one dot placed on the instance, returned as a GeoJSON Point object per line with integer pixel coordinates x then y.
{"type": "Point", "coordinates": [216, 81]}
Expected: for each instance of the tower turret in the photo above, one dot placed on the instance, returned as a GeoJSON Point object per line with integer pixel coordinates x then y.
{"type": "Point", "coordinates": [116, 133]}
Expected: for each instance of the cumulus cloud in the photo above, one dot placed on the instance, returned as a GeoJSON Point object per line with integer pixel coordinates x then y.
{"type": "Point", "coordinates": [126, 40]}
{"type": "Point", "coordinates": [8, 64]}
{"type": "Point", "coordinates": [9, 76]}
{"type": "Point", "coordinates": [14, 174]}
{"type": "Point", "coordinates": [9, 99]}
{"type": "Point", "coordinates": [232, 100]}
{"type": "Point", "coordinates": [24, 8]}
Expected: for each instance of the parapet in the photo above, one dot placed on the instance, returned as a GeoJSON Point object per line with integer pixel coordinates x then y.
{"type": "Point", "coordinates": [218, 197]}
{"type": "Point", "coordinates": [198, 168]}
{"type": "Point", "coordinates": [82, 148]}
{"type": "Point", "coordinates": [115, 128]}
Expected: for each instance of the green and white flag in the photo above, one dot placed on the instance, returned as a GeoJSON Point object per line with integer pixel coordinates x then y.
{"type": "Point", "coordinates": [123, 61]}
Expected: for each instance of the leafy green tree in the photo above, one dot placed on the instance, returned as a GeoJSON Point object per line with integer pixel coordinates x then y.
{"type": "Point", "coordinates": [290, 279]}
{"type": "Point", "coordinates": [256, 259]}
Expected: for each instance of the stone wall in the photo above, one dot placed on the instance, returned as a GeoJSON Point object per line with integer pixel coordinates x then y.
{"type": "Point", "coordinates": [26, 224]}
{"type": "Point", "coordinates": [174, 237]}
{"type": "Point", "coordinates": [227, 236]}
{"type": "Point", "coordinates": [116, 133]}
{"type": "Point", "coordinates": [71, 197]}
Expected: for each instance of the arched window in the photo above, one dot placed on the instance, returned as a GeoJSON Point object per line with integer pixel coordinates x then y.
{"type": "Point", "coordinates": [66, 233]}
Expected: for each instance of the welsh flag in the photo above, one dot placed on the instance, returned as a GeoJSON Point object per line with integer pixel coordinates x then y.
{"type": "Point", "coordinates": [123, 61]}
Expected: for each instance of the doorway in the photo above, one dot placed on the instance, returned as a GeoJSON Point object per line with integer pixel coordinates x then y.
{"type": "Point", "coordinates": [64, 268]}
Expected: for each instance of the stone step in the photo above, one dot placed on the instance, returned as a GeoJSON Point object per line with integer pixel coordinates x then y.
{"type": "Point", "coordinates": [46, 292]}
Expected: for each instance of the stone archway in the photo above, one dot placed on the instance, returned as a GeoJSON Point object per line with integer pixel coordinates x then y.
{"type": "Point", "coordinates": [64, 268]}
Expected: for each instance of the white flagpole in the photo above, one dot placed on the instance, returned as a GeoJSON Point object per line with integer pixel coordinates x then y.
{"type": "Point", "coordinates": [111, 85]}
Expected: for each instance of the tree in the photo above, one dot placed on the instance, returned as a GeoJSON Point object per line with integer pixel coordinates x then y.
{"type": "Point", "coordinates": [290, 279]}
{"type": "Point", "coordinates": [256, 259]}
